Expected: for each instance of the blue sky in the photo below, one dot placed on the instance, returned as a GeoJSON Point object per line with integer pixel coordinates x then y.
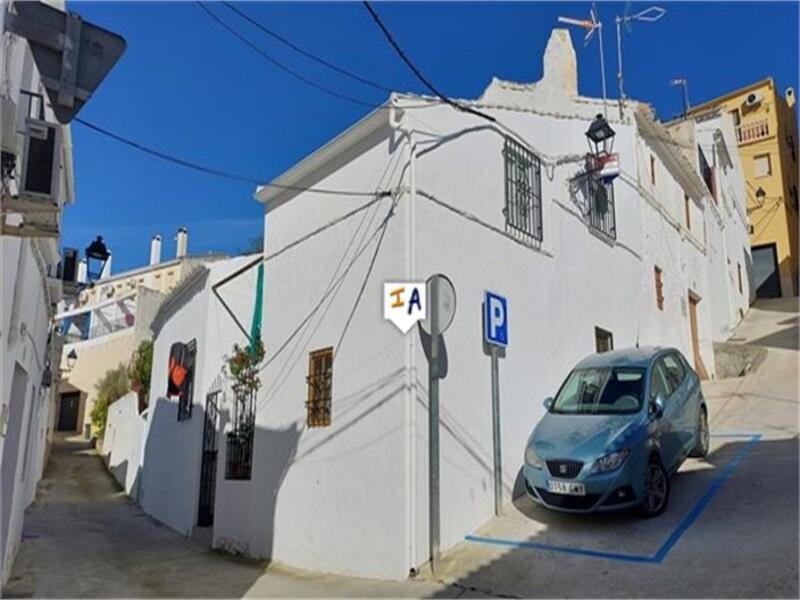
{"type": "Point", "coordinates": [188, 88]}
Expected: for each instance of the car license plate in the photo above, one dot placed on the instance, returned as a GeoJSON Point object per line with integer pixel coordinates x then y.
{"type": "Point", "coordinates": [566, 487]}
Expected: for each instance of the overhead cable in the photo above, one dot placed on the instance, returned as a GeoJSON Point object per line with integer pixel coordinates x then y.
{"type": "Point", "coordinates": [425, 81]}
{"type": "Point", "coordinates": [214, 171]}
{"type": "Point", "coordinates": [280, 65]}
{"type": "Point", "coordinates": [305, 53]}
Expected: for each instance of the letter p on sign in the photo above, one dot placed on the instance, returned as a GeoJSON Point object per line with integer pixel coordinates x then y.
{"type": "Point", "coordinates": [495, 319]}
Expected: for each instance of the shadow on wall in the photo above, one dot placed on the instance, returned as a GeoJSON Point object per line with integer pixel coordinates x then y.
{"type": "Point", "coordinates": [274, 451]}
{"type": "Point", "coordinates": [515, 567]}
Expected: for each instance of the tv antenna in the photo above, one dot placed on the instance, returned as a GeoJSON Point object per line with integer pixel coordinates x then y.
{"type": "Point", "coordinates": [648, 15]}
{"type": "Point", "coordinates": [591, 25]}
{"type": "Point", "coordinates": [684, 83]}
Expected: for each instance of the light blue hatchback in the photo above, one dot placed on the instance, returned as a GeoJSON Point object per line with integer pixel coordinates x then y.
{"type": "Point", "coordinates": [619, 427]}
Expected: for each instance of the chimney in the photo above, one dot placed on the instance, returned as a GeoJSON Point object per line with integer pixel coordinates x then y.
{"type": "Point", "coordinates": [155, 250]}
{"type": "Point", "coordinates": [560, 64]}
{"type": "Point", "coordinates": [182, 243]}
{"type": "Point", "coordinates": [106, 268]}
{"type": "Point", "coordinates": [82, 271]}
{"type": "Point", "coordinates": [790, 97]}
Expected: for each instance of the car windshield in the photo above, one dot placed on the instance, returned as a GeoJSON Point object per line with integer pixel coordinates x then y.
{"type": "Point", "coordinates": [607, 391]}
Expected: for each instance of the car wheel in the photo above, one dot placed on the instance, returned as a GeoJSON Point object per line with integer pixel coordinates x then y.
{"type": "Point", "coordinates": [656, 489]}
{"type": "Point", "coordinates": [700, 449]}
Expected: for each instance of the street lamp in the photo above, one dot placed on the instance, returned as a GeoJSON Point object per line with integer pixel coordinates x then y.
{"type": "Point", "coordinates": [601, 137]}
{"type": "Point", "coordinates": [72, 358]}
{"type": "Point", "coordinates": [96, 257]}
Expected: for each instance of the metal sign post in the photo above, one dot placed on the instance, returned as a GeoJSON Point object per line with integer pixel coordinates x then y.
{"type": "Point", "coordinates": [495, 333]}
{"type": "Point", "coordinates": [498, 465]}
{"type": "Point", "coordinates": [433, 431]}
{"type": "Point", "coordinates": [442, 297]}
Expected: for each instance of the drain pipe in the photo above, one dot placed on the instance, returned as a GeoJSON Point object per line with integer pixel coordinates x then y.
{"type": "Point", "coordinates": [411, 350]}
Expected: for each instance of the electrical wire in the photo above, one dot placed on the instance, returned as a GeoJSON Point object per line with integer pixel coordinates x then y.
{"type": "Point", "coordinates": [280, 65]}
{"type": "Point", "coordinates": [214, 171]}
{"type": "Point", "coordinates": [305, 53]}
{"type": "Point", "coordinates": [425, 81]}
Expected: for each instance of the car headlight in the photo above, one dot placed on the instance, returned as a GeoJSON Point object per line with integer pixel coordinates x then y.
{"type": "Point", "coordinates": [533, 459]}
{"type": "Point", "coordinates": [611, 462]}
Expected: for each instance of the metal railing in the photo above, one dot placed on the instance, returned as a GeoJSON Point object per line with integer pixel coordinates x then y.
{"type": "Point", "coordinates": [753, 131]}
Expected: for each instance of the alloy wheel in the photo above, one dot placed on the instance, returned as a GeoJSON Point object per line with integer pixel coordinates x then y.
{"type": "Point", "coordinates": [655, 488]}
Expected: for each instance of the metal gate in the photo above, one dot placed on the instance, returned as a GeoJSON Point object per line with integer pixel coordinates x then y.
{"type": "Point", "coordinates": [208, 469]}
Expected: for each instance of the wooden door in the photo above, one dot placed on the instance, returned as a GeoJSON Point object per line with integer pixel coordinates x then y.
{"type": "Point", "coordinates": [694, 300]}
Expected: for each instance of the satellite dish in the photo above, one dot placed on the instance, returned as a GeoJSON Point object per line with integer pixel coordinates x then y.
{"type": "Point", "coordinates": [446, 304]}
{"type": "Point", "coordinates": [72, 55]}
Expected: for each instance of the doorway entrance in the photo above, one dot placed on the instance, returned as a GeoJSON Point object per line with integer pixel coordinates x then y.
{"type": "Point", "coordinates": [765, 271]}
{"type": "Point", "coordinates": [694, 300]}
{"type": "Point", "coordinates": [68, 411]}
{"type": "Point", "coordinates": [208, 468]}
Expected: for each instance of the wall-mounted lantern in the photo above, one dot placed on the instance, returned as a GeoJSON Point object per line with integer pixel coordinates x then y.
{"type": "Point", "coordinates": [96, 257]}
{"type": "Point", "coordinates": [601, 136]}
{"type": "Point", "coordinates": [72, 358]}
{"type": "Point", "coordinates": [601, 143]}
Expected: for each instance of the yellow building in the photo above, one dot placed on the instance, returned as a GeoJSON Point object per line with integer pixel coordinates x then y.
{"type": "Point", "coordinates": [766, 132]}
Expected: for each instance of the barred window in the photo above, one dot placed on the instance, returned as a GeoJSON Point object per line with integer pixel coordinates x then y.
{"type": "Point", "coordinates": [320, 380]}
{"type": "Point", "coordinates": [523, 210]}
{"type": "Point", "coordinates": [599, 208]}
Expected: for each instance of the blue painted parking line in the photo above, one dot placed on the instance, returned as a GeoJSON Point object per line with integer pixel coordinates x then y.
{"type": "Point", "coordinates": [673, 538]}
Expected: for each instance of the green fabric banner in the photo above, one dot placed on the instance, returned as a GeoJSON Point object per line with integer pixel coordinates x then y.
{"type": "Point", "coordinates": [255, 327]}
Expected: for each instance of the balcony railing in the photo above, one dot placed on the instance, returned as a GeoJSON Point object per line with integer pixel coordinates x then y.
{"type": "Point", "coordinates": [752, 132]}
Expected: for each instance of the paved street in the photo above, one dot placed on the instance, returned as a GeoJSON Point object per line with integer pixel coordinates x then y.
{"type": "Point", "coordinates": [730, 531]}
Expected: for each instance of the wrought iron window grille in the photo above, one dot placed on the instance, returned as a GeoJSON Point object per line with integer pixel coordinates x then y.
{"type": "Point", "coordinates": [523, 190]}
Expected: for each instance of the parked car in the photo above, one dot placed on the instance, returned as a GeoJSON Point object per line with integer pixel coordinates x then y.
{"type": "Point", "coordinates": [621, 424]}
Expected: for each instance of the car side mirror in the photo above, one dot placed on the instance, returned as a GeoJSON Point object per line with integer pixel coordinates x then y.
{"type": "Point", "coordinates": [548, 402]}
{"type": "Point", "coordinates": [657, 407]}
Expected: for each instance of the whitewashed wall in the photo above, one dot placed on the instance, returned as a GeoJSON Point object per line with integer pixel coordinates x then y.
{"type": "Point", "coordinates": [122, 442]}
{"type": "Point", "coordinates": [331, 499]}
{"type": "Point", "coordinates": [171, 454]}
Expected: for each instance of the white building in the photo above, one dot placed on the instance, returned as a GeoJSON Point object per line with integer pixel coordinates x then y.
{"type": "Point", "coordinates": [29, 254]}
{"type": "Point", "coordinates": [339, 466]}
{"type": "Point", "coordinates": [105, 324]}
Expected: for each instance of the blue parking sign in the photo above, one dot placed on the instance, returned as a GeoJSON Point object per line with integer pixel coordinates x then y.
{"type": "Point", "coordinates": [495, 319]}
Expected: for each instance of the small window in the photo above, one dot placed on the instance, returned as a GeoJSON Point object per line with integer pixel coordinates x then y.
{"type": "Point", "coordinates": [739, 271]}
{"type": "Point", "coordinates": [687, 209]}
{"type": "Point", "coordinates": [707, 172]}
{"type": "Point", "coordinates": [659, 277]}
{"type": "Point", "coordinates": [180, 376]}
{"type": "Point", "coordinates": [762, 165]}
{"type": "Point", "coordinates": [523, 210]}
{"type": "Point", "coordinates": [604, 340]}
{"type": "Point", "coordinates": [652, 169]}
{"type": "Point", "coordinates": [320, 383]}
{"type": "Point", "coordinates": [737, 117]}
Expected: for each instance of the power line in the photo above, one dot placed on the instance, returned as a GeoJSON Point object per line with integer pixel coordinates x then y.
{"type": "Point", "coordinates": [280, 65]}
{"type": "Point", "coordinates": [305, 53]}
{"type": "Point", "coordinates": [214, 171]}
{"type": "Point", "coordinates": [425, 81]}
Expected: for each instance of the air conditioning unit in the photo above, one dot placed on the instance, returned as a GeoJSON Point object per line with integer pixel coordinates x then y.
{"type": "Point", "coordinates": [41, 164]}
{"type": "Point", "coordinates": [753, 99]}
